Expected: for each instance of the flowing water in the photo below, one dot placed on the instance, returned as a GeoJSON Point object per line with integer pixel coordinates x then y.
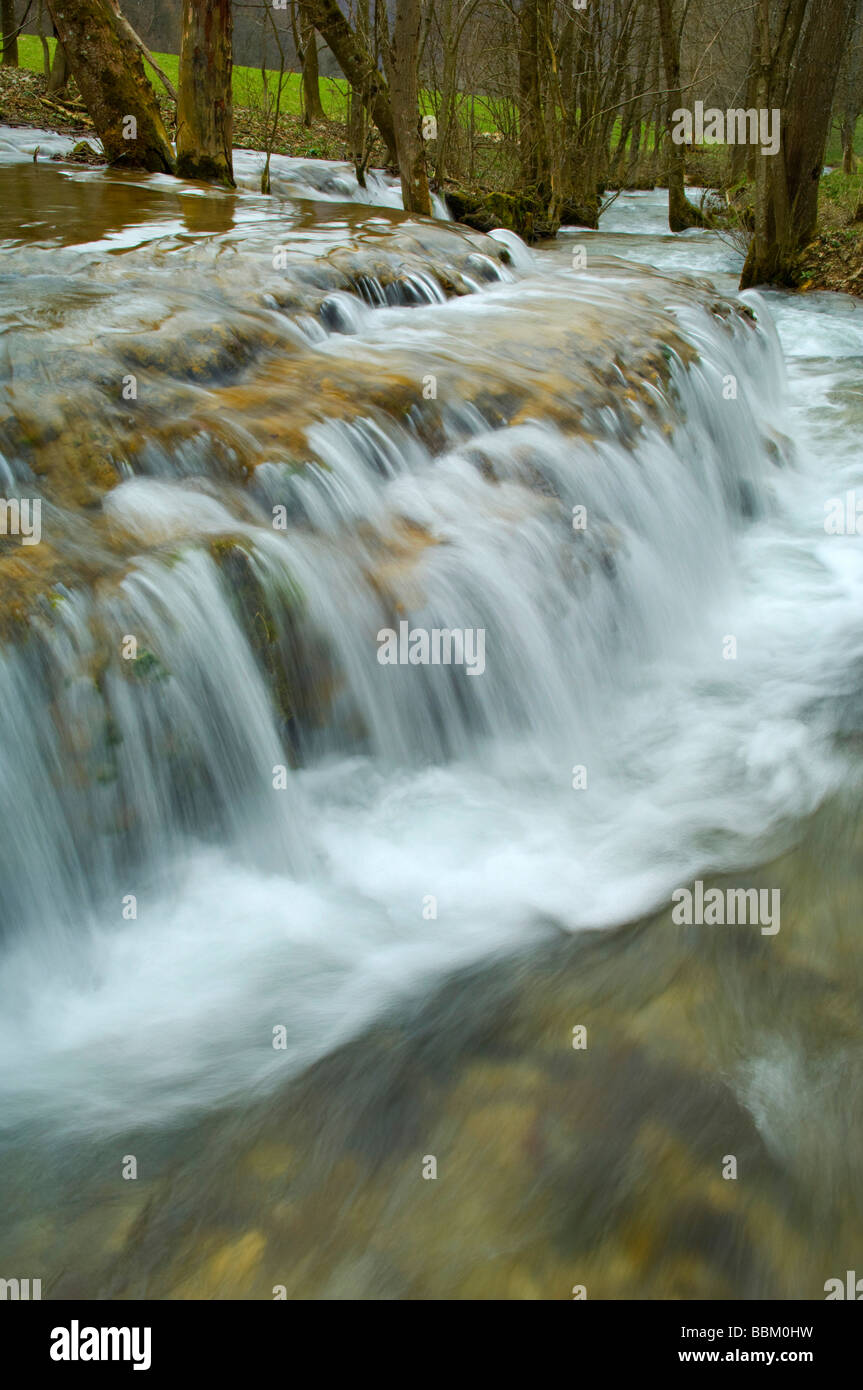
{"type": "Point", "coordinates": [280, 920]}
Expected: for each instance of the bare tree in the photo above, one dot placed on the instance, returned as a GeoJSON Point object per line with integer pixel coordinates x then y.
{"type": "Point", "coordinates": [273, 105]}
{"type": "Point", "coordinates": [106, 63]}
{"type": "Point", "coordinates": [401, 57]}
{"type": "Point", "coordinates": [681, 213]}
{"type": "Point", "coordinates": [205, 113]}
{"type": "Point", "coordinates": [533, 136]}
{"type": "Point", "coordinates": [10, 33]}
{"type": "Point", "coordinates": [359, 66]}
{"type": "Point", "coordinates": [849, 90]}
{"type": "Point", "coordinates": [307, 50]}
{"type": "Point", "coordinates": [798, 60]}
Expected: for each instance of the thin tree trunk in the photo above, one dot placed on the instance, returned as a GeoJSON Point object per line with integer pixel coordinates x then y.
{"type": "Point", "coordinates": [681, 213]}
{"type": "Point", "coordinates": [743, 156]}
{"type": "Point", "coordinates": [535, 170]}
{"type": "Point", "coordinates": [355, 59]}
{"type": "Point", "coordinates": [448, 93]}
{"type": "Point", "coordinates": [360, 137]}
{"type": "Point", "coordinates": [656, 119]}
{"type": "Point", "coordinates": [277, 105]}
{"type": "Point", "coordinates": [849, 163]}
{"type": "Point", "coordinates": [402, 56]}
{"type": "Point", "coordinates": [144, 50]}
{"type": "Point", "coordinates": [356, 124]}
{"type": "Point", "coordinates": [205, 119]}
{"type": "Point", "coordinates": [107, 67]}
{"type": "Point", "coordinates": [58, 77]}
{"type": "Point", "coordinates": [313, 109]}
{"type": "Point", "coordinates": [43, 39]}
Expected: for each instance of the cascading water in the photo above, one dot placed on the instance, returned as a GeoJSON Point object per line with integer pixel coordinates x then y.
{"type": "Point", "coordinates": [389, 425]}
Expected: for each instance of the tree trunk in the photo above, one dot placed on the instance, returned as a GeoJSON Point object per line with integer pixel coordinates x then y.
{"type": "Point", "coordinates": [655, 120]}
{"type": "Point", "coordinates": [448, 94]}
{"type": "Point", "coordinates": [360, 136]}
{"type": "Point", "coordinates": [786, 191]}
{"type": "Point", "coordinates": [681, 213]}
{"type": "Point", "coordinates": [533, 144]}
{"type": "Point", "coordinates": [445, 153]}
{"type": "Point", "coordinates": [46, 49]}
{"type": "Point", "coordinates": [403, 73]}
{"type": "Point", "coordinates": [743, 157]}
{"type": "Point", "coordinates": [10, 34]}
{"type": "Point", "coordinates": [359, 67]}
{"type": "Point", "coordinates": [205, 111]}
{"type": "Point", "coordinates": [356, 125]}
{"type": "Point", "coordinates": [312, 106]}
{"type": "Point", "coordinates": [849, 163]}
{"type": "Point", "coordinates": [109, 72]}
{"type": "Point", "coordinates": [58, 78]}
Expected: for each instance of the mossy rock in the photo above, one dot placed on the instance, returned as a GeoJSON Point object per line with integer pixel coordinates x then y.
{"type": "Point", "coordinates": [147, 667]}
{"type": "Point", "coordinates": [575, 213]}
{"type": "Point", "coordinates": [522, 213]}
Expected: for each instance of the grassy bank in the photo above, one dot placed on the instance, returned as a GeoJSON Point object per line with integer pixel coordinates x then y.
{"type": "Point", "coordinates": [247, 82]}
{"type": "Point", "coordinates": [834, 261]}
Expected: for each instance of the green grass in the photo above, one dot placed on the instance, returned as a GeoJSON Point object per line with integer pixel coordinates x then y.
{"type": "Point", "coordinates": [247, 82]}
{"type": "Point", "coordinates": [248, 86]}
{"type": "Point", "coordinates": [840, 196]}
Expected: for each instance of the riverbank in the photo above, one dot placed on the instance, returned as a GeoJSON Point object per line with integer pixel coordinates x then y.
{"type": "Point", "coordinates": [834, 261]}
{"type": "Point", "coordinates": [24, 102]}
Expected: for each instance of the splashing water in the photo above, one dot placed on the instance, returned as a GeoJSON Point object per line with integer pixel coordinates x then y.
{"type": "Point", "coordinates": [425, 818]}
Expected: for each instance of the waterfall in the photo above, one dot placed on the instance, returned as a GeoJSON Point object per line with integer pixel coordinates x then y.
{"type": "Point", "coordinates": [225, 813]}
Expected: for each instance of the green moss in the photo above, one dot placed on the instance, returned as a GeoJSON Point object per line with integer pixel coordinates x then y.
{"type": "Point", "coordinates": [522, 213]}
{"type": "Point", "coordinates": [148, 667]}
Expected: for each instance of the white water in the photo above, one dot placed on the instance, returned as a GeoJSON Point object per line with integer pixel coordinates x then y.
{"type": "Point", "coordinates": [304, 908]}
{"type": "Point", "coordinates": [321, 179]}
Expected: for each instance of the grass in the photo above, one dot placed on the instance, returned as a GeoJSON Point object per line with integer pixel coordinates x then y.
{"type": "Point", "coordinates": [248, 86]}
{"type": "Point", "coordinates": [247, 82]}
{"type": "Point", "coordinates": [839, 197]}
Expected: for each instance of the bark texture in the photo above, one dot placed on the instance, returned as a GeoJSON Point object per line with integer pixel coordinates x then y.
{"type": "Point", "coordinates": [10, 34]}
{"type": "Point", "coordinates": [205, 111]}
{"type": "Point", "coordinates": [681, 213]}
{"type": "Point", "coordinates": [108, 69]}
{"type": "Point", "coordinates": [313, 109]}
{"type": "Point", "coordinates": [403, 73]}
{"type": "Point", "coordinates": [798, 66]}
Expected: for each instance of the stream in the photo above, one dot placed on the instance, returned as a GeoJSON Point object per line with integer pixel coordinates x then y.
{"type": "Point", "coordinates": [281, 920]}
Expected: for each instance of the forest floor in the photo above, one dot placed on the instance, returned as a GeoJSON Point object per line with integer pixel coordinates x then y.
{"type": "Point", "coordinates": [833, 261]}
{"type": "Point", "coordinates": [24, 102]}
